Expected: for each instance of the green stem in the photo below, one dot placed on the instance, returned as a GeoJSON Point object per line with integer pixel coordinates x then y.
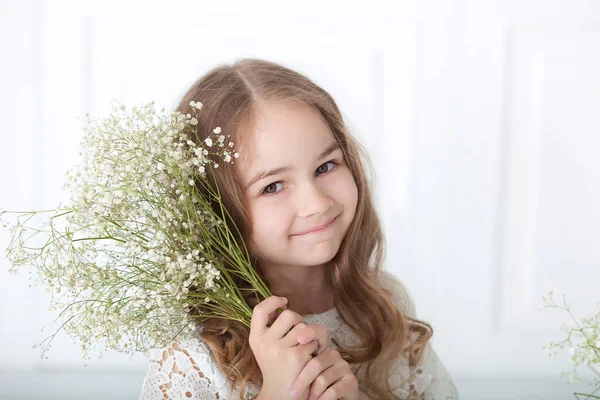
{"type": "Point", "coordinates": [587, 396]}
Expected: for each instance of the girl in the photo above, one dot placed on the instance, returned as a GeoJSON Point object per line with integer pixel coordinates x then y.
{"type": "Point", "coordinates": [299, 195]}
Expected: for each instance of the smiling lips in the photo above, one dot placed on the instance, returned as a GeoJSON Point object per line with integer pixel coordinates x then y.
{"type": "Point", "coordinates": [317, 229]}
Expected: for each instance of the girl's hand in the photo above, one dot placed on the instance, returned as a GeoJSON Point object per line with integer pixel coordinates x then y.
{"type": "Point", "coordinates": [329, 377]}
{"type": "Point", "coordinates": [276, 348]}
{"type": "Point", "coordinates": [316, 332]}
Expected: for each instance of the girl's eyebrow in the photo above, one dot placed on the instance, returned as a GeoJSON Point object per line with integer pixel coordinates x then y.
{"type": "Point", "coordinates": [264, 174]}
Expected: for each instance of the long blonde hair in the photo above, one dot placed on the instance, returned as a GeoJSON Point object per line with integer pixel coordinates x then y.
{"type": "Point", "coordinates": [229, 94]}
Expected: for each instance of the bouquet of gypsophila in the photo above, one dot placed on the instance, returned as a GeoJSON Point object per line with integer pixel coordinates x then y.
{"type": "Point", "coordinates": [139, 245]}
{"type": "Point", "coordinates": [583, 341]}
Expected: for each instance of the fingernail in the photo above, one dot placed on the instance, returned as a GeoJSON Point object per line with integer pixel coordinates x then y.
{"type": "Point", "coordinates": [294, 393]}
{"type": "Point", "coordinates": [302, 338]}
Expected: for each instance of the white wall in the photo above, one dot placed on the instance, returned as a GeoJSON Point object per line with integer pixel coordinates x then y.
{"type": "Point", "coordinates": [480, 116]}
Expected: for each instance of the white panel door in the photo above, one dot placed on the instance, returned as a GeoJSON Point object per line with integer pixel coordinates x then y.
{"type": "Point", "coordinates": [506, 185]}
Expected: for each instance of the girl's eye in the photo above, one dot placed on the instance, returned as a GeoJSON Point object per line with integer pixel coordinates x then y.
{"type": "Point", "coordinates": [265, 191]}
{"type": "Point", "coordinates": [266, 188]}
{"type": "Point", "coordinates": [332, 162]}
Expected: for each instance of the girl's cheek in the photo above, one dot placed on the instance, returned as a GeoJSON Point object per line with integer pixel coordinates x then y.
{"type": "Point", "coordinates": [343, 181]}
{"type": "Point", "coordinates": [268, 212]}
{"type": "Point", "coordinates": [277, 214]}
{"type": "Point", "coordinates": [346, 190]}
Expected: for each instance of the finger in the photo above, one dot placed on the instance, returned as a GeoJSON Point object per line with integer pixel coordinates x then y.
{"type": "Point", "coordinates": [325, 379]}
{"type": "Point", "coordinates": [284, 323]}
{"type": "Point", "coordinates": [346, 387]}
{"type": "Point", "coordinates": [260, 313]}
{"type": "Point", "coordinates": [314, 332]}
{"type": "Point", "coordinates": [273, 316]}
{"type": "Point", "coordinates": [291, 338]}
{"type": "Point", "coordinates": [308, 350]}
{"type": "Point", "coordinates": [312, 369]}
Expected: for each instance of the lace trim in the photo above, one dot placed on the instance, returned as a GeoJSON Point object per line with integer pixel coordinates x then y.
{"type": "Point", "coordinates": [187, 370]}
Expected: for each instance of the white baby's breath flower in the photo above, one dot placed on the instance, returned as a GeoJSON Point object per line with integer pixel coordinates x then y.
{"type": "Point", "coordinates": [579, 341]}
{"type": "Point", "coordinates": [196, 105]}
{"type": "Point", "coordinates": [137, 248]}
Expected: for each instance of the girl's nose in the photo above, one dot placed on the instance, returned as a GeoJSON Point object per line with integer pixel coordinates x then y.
{"type": "Point", "coordinates": [313, 199]}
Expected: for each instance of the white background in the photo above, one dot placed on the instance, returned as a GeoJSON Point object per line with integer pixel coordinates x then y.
{"type": "Point", "coordinates": [481, 118]}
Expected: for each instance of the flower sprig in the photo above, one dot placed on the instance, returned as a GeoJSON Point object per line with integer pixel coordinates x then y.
{"type": "Point", "coordinates": [583, 341]}
{"type": "Point", "coordinates": [139, 245]}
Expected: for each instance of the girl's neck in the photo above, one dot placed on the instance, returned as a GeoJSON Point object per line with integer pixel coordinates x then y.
{"type": "Point", "coordinates": [305, 288]}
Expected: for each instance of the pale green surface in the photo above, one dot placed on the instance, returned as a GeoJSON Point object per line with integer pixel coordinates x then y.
{"type": "Point", "coordinates": [22, 385]}
{"type": "Point", "coordinates": [519, 388]}
{"type": "Point", "coordinates": [126, 384]}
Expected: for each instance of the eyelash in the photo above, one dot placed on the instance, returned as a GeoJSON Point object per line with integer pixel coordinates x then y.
{"type": "Point", "coordinates": [274, 193]}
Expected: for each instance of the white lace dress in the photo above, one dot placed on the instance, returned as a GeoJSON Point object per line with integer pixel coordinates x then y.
{"type": "Point", "coordinates": [187, 369]}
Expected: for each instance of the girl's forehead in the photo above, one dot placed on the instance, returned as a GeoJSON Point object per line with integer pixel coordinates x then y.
{"type": "Point", "coordinates": [276, 148]}
{"type": "Point", "coordinates": [279, 134]}
{"type": "Point", "coordinates": [284, 125]}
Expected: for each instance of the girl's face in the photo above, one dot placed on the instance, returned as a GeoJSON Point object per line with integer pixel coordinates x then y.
{"type": "Point", "coordinates": [310, 186]}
